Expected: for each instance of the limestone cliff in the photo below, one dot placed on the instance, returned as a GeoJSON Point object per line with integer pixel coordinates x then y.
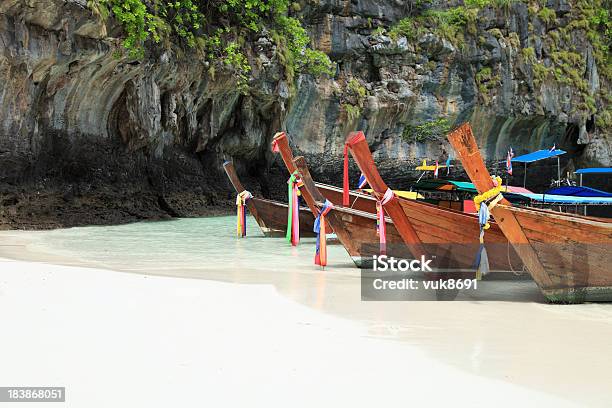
{"type": "Point", "coordinates": [90, 137]}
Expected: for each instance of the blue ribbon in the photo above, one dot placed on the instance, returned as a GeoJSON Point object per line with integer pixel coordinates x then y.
{"type": "Point", "coordinates": [317, 223]}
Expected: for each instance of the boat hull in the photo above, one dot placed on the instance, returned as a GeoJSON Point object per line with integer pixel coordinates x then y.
{"type": "Point", "coordinates": [449, 235]}
{"type": "Point", "coordinates": [357, 201]}
{"type": "Point", "coordinates": [575, 253]}
{"type": "Point", "coordinates": [271, 216]}
{"type": "Point", "coordinates": [441, 229]}
{"type": "Point", "coordinates": [274, 216]}
{"type": "Point", "coordinates": [361, 241]}
{"type": "Point", "coordinates": [355, 229]}
{"type": "Point", "coordinates": [568, 256]}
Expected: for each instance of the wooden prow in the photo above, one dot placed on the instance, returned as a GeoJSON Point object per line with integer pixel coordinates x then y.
{"type": "Point", "coordinates": [300, 163]}
{"type": "Point", "coordinates": [285, 151]}
{"type": "Point", "coordinates": [333, 219]}
{"type": "Point", "coordinates": [361, 153]}
{"type": "Point", "coordinates": [287, 156]}
{"type": "Point", "coordinates": [463, 141]}
{"type": "Point", "coordinates": [231, 174]}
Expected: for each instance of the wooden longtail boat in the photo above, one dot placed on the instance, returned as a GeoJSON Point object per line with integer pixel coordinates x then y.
{"type": "Point", "coordinates": [355, 229]}
{"type": "Point", "coordinates": [271, 216]}
{"type": "Point", "coordinates": [568, 256]}
{"type": "Point", "coordinates": [439, 229]}
{"type": "Point", "coordinates": [358, 201]}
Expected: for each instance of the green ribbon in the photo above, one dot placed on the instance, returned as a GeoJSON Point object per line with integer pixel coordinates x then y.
{"type": "Point", "coordinates": [290, 183]}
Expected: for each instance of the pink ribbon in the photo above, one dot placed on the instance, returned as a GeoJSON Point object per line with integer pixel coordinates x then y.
{"type": "Point", "coordinates": [381, 226]}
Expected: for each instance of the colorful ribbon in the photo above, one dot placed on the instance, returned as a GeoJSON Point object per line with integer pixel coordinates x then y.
{"type": "Point", "coordinates": [319, 229]}
{"type": "Point", "coordinates": [275, 147]}
{"type": "Point", "coordinates": [484, 213]}
{"type": "Point", "coordinates": [354, 138]}
{"type": "Point", "coordinates": [381, 225]}
{"type": "Point", "coordinates": [293, 214]}
{"type": "Point", "coordinates": [345, 181]}
{"type": "Point", "coordinates": [241, 200]}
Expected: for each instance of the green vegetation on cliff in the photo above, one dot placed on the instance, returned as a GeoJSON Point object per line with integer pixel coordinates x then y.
{"type": "Point", "coordinates": [216, 30]}
{"type": "Point", "coordinates": [353, 99]}
{"type": "Point", "coordinates": [431, 130]}
{"type": "Point", "coordinates": [556, 50]}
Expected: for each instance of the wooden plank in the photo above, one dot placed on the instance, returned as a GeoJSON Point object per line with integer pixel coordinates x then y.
{"type": "Point", "coordinates": [605, 226]}
{"type": "Point", "coordinates": [562, 230]}
{"type": "Point", "coordinates": [285, 151]}
{"type": "Point", "coordinates": [358, 201]}
{"type": "Point", "coordinates": [361, 153]}
{"type": "Point", "coordinates": [275, 215]}
{"type": "Point", "coordinates": [233, 177]}
{"type": "Point", "coordinates": [462, 140]}
{"type": "Point", "coordinates": [456, 227]}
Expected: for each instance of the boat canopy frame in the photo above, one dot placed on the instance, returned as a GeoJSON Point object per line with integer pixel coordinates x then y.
{"type": "Point", "coordinates": [593, 170]}
{"type": "Point", "coordinates": [537, 156]}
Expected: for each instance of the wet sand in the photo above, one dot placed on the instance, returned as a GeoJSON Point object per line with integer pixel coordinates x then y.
{"type": "Point", "coordinates": [286, 332]}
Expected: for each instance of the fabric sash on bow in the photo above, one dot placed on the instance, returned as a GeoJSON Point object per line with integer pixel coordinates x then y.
{"type": "Point", "coordinates": [381, 225]}
{"type": "Point", "coordinates": [357, 137]}
{"type": "Point", "coordinates": [241, 200]}
{"type": "Point", "coordinates": [319, 229]}
{"type": "Point", "coordinates": [293, 215]}
{"type": "Point", "coordinates": [484, 213]}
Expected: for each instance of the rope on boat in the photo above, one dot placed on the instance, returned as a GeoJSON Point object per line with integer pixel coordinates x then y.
{"type": "Point", "coordinates": [515, 272]}
{"type": "Point", "coordinates": [381, 225]}
{"type": "Point", "coordinates": [241, 200]}
{"type": "Point", "coordinates": [319, 229]}
{"type": "Point", "coordinates": [356, 138]}
{"type": "Point", "coordinates": [293, 213]}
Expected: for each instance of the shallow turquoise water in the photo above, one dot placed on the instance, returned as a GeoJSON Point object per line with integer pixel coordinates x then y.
{"type": "Point", "coordinates": [189, 244]}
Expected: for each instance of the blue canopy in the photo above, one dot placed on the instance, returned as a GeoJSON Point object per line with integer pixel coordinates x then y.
{"type": "Point", "coordinates": [539, 155]}
{"type": "Point", "coordinates": [595, 170]}
{"type": "Point", "coordinates": [576, 191]}
{"type": "Point", "coordinates": [562, 199]}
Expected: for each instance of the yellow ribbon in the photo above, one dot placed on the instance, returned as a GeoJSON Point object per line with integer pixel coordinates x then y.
{"type": "Point", "coordinates": [495, 191]}
{"type": "Point", "coordinates": [241, 200]}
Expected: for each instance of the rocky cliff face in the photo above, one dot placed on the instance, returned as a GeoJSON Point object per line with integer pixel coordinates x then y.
{"type": "Point", "coordinates": [89, 137]}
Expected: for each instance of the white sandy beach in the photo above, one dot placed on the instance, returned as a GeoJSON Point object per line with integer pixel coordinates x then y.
{"type": "Point", "coordinates": [126, 340]}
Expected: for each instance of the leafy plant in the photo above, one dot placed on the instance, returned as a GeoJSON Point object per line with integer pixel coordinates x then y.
{"type": "Point", "coordinates": [547, 15]}
{"type": "Point", "coordinates": [529, 54]}
{"type": "Point", "coordinates": [430, 130]}
{"type": "Point", "coordinates": [352, 112]}
{"type": "Point", "coordinates": [217, 29]}
{"type": "Point", "coordinates": [484, 75]}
